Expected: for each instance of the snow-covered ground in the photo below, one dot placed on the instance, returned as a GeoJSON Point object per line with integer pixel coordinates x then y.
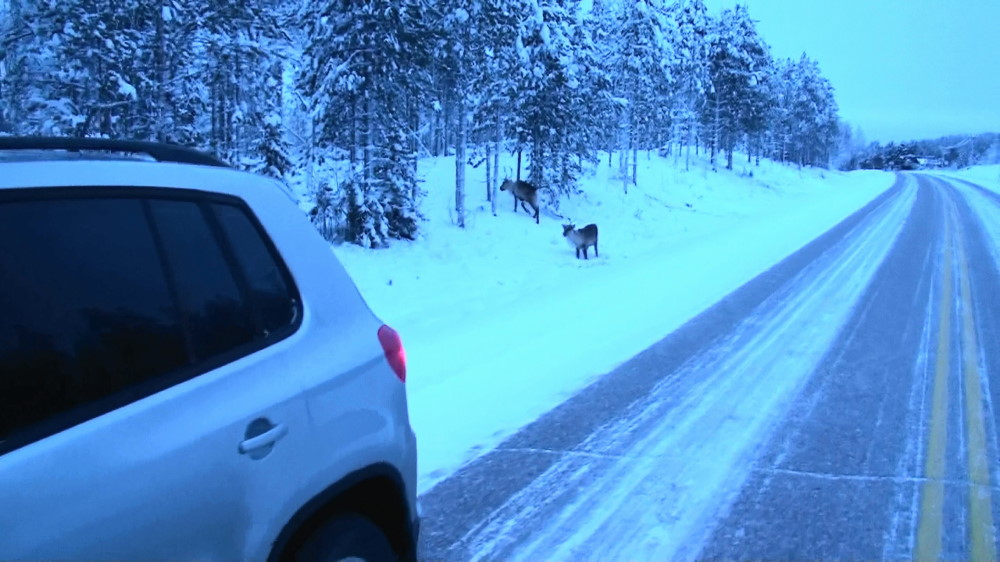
{"type": "Point", "coordinates": [986, 176]}
{"type": "Point", "coordinates": [501, 322]}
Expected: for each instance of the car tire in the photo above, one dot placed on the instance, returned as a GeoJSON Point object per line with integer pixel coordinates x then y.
{"type": "Point", "coordinates": [347, 536]}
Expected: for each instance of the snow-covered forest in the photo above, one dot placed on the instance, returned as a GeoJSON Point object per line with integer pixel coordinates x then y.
{"type": "Point", "coordinates": [953, 151]}
{"type": "Point", "coordinates": [287, 88]}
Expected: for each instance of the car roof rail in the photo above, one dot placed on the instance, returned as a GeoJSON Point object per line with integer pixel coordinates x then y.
{"type": "Point", "coordinates": [160, 152]}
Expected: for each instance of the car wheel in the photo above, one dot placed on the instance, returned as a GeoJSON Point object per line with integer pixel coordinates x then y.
{"type": "Point", "coordinates": [347, 537]}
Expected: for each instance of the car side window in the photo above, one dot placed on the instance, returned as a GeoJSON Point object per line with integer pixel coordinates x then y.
{"type": "Point", "coordinates": [85, 309]}
{"type": "Point", "coordinates": [268, 286]}
{"type": "Point", "coordinates": [216, 314]}
{"type": "Point", "coordinates": [106, 299]}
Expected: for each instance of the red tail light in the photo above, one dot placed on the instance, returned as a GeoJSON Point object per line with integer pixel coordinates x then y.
{"type": "Point", "coordinates": [392, 345]}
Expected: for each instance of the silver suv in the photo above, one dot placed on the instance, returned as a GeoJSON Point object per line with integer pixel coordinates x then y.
{"type": "Point", "coordinates": [186, 370]}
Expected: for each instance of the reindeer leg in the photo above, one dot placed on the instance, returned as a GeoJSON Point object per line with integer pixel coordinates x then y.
{"type": "Point", "coordinates": [536, 215]}
{"type": "Point", "coordinates": [585, 253]}
{"type": "Point", "coordinates": [515, 203]}
{"type": "Point", "coordinates": [596, 255]}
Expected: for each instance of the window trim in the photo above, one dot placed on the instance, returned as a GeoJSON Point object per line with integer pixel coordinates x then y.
{"type": "Point", "coordinates": [131, 394]}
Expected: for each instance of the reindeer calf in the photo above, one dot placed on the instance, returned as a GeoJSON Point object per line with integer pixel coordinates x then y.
{"type": "Point", "coordinates": [581, 239]}
{"type": "Point", "coordinates": [523, 192]}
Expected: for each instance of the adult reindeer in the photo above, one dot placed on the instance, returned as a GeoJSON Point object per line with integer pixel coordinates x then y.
{"type": "Point", "coordinates": [523, 192]}
{"type": "Point", "coordinates": [581, 239]}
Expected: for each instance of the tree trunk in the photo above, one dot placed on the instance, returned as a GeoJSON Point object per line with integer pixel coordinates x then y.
{"type": "Point", "coordinates": [432, 124]}
{"type": "Point", "coordinates": [161, 72]}
{"type": "Point", "coordinates": [414, 147]}
{"type": "Point", "coordinates": [623, 169]}
{"type": "Point", "coordinates": [311, 153]}
{"type": "Point", "coordinates": [353, 150]}
{"type": "Point", "coordinates": [519, 164]}
{"type": "Point", "coordinates": [717, 127]}
{"type": "Point", "coordinates": [489, 171]}
{"type": "Point", "coordinates": [460, 165]}
{"type": "Point", "coordinates": [687, 151]}
{"type": "Point", "coordinates": [677, 150]}
{"type": "Point", "coordinates": [233, 103]}
{"type": "Point", "coordinates": [449, 111]}
{"type": "Point", "coordinates": [536, 169]}
{"type": "Point", "coordinates": [211, 116]}
{"type": "Point", "coordinates": [635, 163]}
{"type": "Point", "coordinates": [498, 132]}
{"type": "Point", "coordinates": [438, 142]}
{"type": "Point", "coordinates": [366, 148]}
{"type": "Point", "coordinates": [624, 140]}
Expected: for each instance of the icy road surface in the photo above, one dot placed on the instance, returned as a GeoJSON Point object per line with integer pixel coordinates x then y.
{"type": "Point", "coordinates": [837, 406]}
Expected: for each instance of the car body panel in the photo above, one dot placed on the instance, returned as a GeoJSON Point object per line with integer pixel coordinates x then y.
{"type": "Point", "coordinates": [162, 477]}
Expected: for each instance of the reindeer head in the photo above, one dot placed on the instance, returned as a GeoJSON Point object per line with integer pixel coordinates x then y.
{"type": "Point", "coordinates": [507, 184]}
{"type": "Point", "coordinates": [567, 228]}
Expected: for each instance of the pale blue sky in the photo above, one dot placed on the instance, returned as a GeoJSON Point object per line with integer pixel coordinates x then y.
{"type": "Point", "coordinates": [903, 69]}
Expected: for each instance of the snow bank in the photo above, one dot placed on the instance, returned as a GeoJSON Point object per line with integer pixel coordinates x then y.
{"type": "Point", "coordinates": [986, 176]}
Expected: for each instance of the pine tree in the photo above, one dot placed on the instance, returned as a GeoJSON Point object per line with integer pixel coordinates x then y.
{"type": "Point", "coordinates": [755, 110]}
{"type": "Point", "coordinates": [272, 145]}
{"type": "Point", "coordinates": [364, 222]}
{"type": "Point", "coordinates": [371, 58]}
{"type": "Point", "coordinates": [178, 96]}
{"type": "Point", "coordinates": [590, 98]}
{"type": "Point", "coordinates": [739, 62]}
{"type": "Point", "coordinates": [601, 23]}
{"type": "Point", "coordinates": [641, 71]}
{"type": "Point", "coordinates": [170, 94]}
{"type": "Point", "coordinates": [807, 113]}
{"type": "Point", "coordinates": [394, 168]}
{"type": "Point", "coordinates": [239, 40]}
{"type": "Point", "coordinates": [459, 33]}
{"type": "Point", "coordinates": [779, 132]}
{"type": "Point", "coordinates": [83, 50]}
{"type": "Point", "coordinates": [493, 75]}
{"type": "Point", "coordinates": [549, 80]}
{"type": "Point", "coordinates": [161, 70]}
{"type": "Point", "coordinates": [691, 69]}
{"type": "Point", "coordinates": [15, 34]}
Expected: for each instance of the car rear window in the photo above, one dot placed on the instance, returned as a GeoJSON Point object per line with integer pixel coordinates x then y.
{"type": "Point", "coordinates": [217, 316]}
{"type": "Point", "coordinates": [105, 300]}
{"type": "Point", "coordinates": [264, 278]}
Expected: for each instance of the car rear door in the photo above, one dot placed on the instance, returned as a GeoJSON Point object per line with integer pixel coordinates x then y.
{"type": "Point", "coordinates": [144, 336]}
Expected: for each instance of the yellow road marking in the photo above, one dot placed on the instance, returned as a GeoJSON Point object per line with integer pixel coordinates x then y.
{"type": "Point", "coordinates": [932, 496]}
{"type": "Point", "coordinates": [981, 533]}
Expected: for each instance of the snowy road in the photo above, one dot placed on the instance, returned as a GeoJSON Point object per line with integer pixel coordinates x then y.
{"type": "Point", "coordinates": [818, 411]}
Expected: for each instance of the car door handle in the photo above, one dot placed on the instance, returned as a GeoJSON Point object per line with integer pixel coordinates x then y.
{"type": "Point", "coordinates": [264, 440]}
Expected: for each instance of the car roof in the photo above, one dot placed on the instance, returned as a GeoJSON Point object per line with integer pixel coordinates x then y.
{"type": "Point", "coordinates": [105, 172]}
{"type": "Point", "coordinates": [61, 148]}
